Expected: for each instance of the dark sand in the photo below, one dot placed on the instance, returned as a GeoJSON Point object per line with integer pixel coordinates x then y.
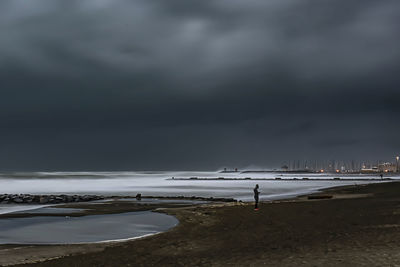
{"type": "Point", "coordinates": [359, 226]}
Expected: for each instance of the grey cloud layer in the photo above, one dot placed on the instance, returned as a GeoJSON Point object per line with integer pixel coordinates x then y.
{"type": "Point", "coordinates": [196, 39]}
{"type": "Point", "coordinates": [83, 73]}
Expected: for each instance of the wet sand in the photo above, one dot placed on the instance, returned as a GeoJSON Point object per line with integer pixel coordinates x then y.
{"type": "Point", "coordinates": [358, 226]}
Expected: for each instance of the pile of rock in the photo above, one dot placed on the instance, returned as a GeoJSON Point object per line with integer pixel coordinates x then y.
{"type": "Point", "coordinates": [45, 199]}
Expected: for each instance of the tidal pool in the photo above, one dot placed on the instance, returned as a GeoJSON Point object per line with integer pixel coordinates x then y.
{"type": "Point", "coordinates": [85, 229]}
{"type": "Point", "coordinates": [51, 210]}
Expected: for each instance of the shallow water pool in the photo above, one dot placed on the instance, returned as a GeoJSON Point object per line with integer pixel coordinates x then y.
{"type": "Point", "coordinates": [86, 229]}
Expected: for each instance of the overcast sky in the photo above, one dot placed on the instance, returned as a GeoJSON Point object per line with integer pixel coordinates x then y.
{"type": "Point", "coordinates": [196, 85]}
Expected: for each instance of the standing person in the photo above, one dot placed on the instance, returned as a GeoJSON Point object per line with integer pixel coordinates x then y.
{"type": "Point", "coordinates": [256, 194]}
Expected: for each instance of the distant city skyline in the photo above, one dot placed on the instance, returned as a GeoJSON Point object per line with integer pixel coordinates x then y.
{"type": "Point", "coordinates": [343, 165]}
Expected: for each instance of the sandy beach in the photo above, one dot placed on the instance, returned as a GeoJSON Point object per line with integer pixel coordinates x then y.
{"type": "Point", "coordinates": [358, 226]}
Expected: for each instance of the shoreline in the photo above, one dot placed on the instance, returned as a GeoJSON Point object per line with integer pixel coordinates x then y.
{"type": "Point", "coordinates": [82, 248]}
{"type": "Point", "coordinates": [302, 179]}
{"type": "Point", "coordinates": [199, 222]}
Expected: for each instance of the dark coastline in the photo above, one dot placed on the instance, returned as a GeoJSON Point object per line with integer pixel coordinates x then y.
{"type": "Point", "coordinates": [358, 226]}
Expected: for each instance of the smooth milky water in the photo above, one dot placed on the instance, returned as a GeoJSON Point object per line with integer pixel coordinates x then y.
{"type": "Point", "coordinates": [160, 183]}
{"type": "Point", "coordinates": [86, 229]}
{"type": "Point", "coordinates": [8, 208]}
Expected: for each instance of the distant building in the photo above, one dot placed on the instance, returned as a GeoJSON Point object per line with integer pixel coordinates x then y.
{"type": "Point", "coordinates": [387, 167]}
{"type": "Point", "coordinates": [383, 167]}
{"type": "Point", "coordinates": [370, 170]}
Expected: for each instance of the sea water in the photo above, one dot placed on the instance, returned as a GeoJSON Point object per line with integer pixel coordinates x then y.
{"type": "Point", "coordinates": [162, 184]}
{"type": "Point", "coordinates": [85, 229]}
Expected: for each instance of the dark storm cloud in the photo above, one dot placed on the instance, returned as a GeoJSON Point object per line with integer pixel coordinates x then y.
{"type": "Point", "coordinates": [196, 84]}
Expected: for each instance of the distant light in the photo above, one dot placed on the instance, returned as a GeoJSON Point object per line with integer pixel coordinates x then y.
{"type": "Point", "coordinates": [322, 170]}
{"type": "Point", "coordinates": [337, 171]}
{"type": "Point", "coordinates": [386, 170]}
{"type": "Point", "coordinates": [397, 158]}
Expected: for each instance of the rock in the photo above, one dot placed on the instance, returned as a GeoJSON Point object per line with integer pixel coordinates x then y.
{"type": "Point", "coordinates": [27, 198]}
{"type": "Point", "coordinates": [43, 200]}
{"type": "Point", "coordinates": [18, 200]}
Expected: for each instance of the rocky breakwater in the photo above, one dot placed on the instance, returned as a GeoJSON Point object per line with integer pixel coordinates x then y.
{"type": "Point", "coordinates": [45, 199]}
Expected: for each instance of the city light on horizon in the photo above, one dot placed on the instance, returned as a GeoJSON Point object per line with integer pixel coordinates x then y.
{"type": "Point", "coordinates": [343, 166]}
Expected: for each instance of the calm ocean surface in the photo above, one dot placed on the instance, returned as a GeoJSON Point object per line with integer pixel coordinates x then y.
{"type": "Point", "coordinates": [160, 183]}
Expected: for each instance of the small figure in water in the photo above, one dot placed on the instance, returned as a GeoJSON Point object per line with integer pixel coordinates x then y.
{"type": "Point", "coordinates": [381, 176]}
{"type": "Point", "coordinates": [256, 193]}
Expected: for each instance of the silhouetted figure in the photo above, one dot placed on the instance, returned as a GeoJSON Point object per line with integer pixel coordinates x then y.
{"type": "Point", "coordinates": [381, 176]}
{"type": "Point", "coordinates": [139, 197]}
{"type": "Point", "coordinates": [256, 194]}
